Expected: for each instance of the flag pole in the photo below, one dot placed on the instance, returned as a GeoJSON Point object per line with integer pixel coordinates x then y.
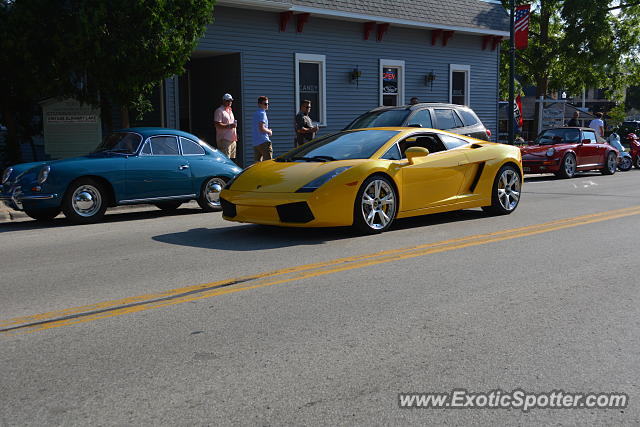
{"type": "Point", "coordinates": [512, 74]}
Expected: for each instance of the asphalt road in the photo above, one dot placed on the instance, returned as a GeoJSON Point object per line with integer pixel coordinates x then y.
{"type": "Point", "coordinates": [185, 319]}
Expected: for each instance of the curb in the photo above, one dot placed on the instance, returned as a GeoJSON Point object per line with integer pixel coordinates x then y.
{"type": "Point", "coordinates": [9, 215]}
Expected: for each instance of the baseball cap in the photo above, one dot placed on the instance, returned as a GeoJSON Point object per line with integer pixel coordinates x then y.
{"type": "Point", "coordinates": [227, 97]}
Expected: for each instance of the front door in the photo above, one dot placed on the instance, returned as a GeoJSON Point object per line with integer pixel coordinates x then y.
{"type": "Point", "coordinates": [159, 171]}
{"type": "Point", "coordinates": [433, 180]}
{"type": "Point", "coordinates": [589, 153]}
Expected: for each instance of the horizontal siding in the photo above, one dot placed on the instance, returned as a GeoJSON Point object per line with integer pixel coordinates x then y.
{"type": "Point", "coordinates": [268, 67]}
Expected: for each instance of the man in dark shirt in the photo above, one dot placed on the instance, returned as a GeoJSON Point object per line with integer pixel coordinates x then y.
{"type": "Point", "coordinates": [574, 119]}
{"type": "Point", "coordinates": [305, 130]}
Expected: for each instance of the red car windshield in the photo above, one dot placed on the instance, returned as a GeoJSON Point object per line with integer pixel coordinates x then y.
{"type": "Point", "coordinates": [558, 136]}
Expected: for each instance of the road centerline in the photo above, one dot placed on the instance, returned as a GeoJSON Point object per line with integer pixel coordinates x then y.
{"type": "Point", "coordinates": [134, 304]}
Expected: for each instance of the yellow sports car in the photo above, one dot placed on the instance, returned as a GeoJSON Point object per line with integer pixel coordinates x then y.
{"type": "Point", "coordinates": [369, 177]}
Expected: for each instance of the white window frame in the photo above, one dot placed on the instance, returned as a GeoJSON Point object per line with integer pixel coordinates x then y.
{"type": "Point", "coordinates": [467, 82]}
{"type": "Point", "coordinates": [314, 59]}
{"type": "Point", "coordinates": [384, 63]}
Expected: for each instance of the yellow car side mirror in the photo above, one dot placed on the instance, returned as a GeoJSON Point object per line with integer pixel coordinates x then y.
{"type": "Point", "coordinates": [414, 152]}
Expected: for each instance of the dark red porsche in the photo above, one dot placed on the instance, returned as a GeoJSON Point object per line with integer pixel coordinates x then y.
{"type": "Point", "coordinates": [567, 150]}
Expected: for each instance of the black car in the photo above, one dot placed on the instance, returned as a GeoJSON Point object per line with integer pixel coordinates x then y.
{"type": "Point", "coordinates": [450, 117]}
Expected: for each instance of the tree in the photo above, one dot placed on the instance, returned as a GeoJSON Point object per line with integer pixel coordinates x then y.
{"type": "Point", "coordinates": [576, 44]}
{"type": "Point", "coordinates": [100, 52]}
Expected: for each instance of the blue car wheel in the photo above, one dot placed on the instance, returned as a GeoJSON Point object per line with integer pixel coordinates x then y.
{"type": "Point", "coordinates": [209, 199]}
{"type": "Point", "coordinates": [84, 202]}
{"type": "Point", "coordinates": [42, 214]}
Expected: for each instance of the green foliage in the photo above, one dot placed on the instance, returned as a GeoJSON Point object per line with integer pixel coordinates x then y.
{"type": "Point", "coordinates": [616, 115]}
{"type": "Point", "coordinates": [94, 50]}
{"type": "Point", "coordinates": [575, 44]}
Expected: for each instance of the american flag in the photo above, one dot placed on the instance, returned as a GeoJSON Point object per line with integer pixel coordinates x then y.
{"type": "Point", "coordinates": [521, 28]}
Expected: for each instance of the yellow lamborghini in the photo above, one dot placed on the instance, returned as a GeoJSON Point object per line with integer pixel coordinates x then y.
{"type": "Point", "coordinates": [368, 177]}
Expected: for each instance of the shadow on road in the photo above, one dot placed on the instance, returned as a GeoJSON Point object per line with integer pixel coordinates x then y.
{"type": "Point", "coordinates": [110, 217]}
{"type": "Point", "coordinates": [251, 237]}
{"type": "Point", "coordinates": [551, 177]}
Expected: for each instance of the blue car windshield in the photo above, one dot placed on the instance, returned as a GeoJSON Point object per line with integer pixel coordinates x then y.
{"type": "Point", "coordinates": [559, 136]}
{"type": "Point", "coordinates": [359, 144]}
{"type": "Point", "coordinates": [120, 142]}
{"type": "Point", "coordinates": [380, 119]}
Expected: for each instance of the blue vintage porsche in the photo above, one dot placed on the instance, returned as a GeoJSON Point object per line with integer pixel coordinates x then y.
{"type": "Point", "coordinates": [165, 167]}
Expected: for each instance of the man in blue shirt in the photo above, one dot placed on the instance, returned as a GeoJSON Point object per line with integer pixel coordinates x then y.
{"type": "Point", "coordinates": [260, 132]}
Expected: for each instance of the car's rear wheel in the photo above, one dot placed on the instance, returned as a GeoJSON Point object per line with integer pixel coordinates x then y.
{"type": "Point", "coordinates": [625, 164]}
{"type": "Point", "coordinates": [568, 167]}
{"type": "Point", "coordinates": [42, 214]}
{"type": "Point", "coordinates": [209, 199]}
{"type": "Point", "coordinates": [505, 193]}
{"type": "Point", "coordinates": [637, 162]}
{"type": "Point", "coordinates": [169, 206]}
{"type": "Point", "coordinates": [84, 202]}
{"type": "Point", "coordinates": [375, 206]}
{"type": "Point", "coordinates": [611, 164]}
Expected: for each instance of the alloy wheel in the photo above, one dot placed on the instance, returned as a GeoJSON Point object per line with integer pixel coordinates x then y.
{"type": "Point", "coordinates": [378, 204]}
{"type": "Point", "coordinates": [509, 189]}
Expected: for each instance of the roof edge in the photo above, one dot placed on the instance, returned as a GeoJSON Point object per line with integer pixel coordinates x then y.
{"type": "Point", "coordinates": [350, 16]}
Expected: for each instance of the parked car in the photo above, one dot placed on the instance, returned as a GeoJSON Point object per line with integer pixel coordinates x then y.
{"type": "Point", "coordinates": [627, 127]}
{"type": "Point", "coordinates": [567, 150]}
{"type": "Point", "coordinates": [165, 167]}
{"type": "Point", "coordinates": [368, 177]}
{"type": "Point", "coordinates": [450, 117]}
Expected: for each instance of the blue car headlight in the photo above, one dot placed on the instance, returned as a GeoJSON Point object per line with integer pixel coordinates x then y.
{"type": "Point", "coordinates": [6, 174]}
{"type": "Point", "coordinates": [321, 180]}
{"type": "Point", "coordinates": [43, 174]}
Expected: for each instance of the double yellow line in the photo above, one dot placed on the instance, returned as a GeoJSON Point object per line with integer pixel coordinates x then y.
{"type": "Point", "coordinates": [135, 304]}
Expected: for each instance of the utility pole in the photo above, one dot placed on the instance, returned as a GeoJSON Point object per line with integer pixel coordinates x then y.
{"type": "Point", "coordinates": [512, 74]}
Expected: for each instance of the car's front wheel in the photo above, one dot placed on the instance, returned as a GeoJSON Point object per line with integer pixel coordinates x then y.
{"type": "Point", "coordinates": [42, 214]}
{"type": "Point", "coordinates": [375, 206]}
{"type": "Point", "coordinates": [611, 165]}
{"type": "Point", "coordinates": [209, 199]}
{"type": "Point", "coordinates": [637, 162]}
{"type": "Point", "coordinates": [568, 166]}
{"type": "Point", "coordinates": [84, 202]}
{"type": "Point", "coordinates": [505, 193]}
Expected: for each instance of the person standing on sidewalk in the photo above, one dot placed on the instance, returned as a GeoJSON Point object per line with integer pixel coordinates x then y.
{"type": "Point", "coordinates": [226, 124]}
{"type": "Point", "coordinates": [305, 129]}
{"type": "Point", "coordinates": [598, 125]}
{"type": "Point", "coordinates": [261, 134]}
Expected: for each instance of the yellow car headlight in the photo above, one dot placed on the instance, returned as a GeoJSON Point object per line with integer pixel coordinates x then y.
{"type": "Point", "coordinates": [321, 180]}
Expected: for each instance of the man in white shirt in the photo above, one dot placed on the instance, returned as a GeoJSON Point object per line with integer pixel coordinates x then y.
{"type": "Point", "coordinates": [598, 125]}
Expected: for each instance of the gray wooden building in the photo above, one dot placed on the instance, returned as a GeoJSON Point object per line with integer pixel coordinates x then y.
{"type": "Point", "coordinates": [347, 56]}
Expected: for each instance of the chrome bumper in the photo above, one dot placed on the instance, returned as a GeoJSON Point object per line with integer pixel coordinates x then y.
{"type": "Point", "coordinates": [15, 200]}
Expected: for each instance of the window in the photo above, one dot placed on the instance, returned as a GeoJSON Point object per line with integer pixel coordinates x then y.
{"type": "Point", "coordinates": [422, 118]}
{"type": "Point", "coordinates": [146, 150]}
{"type": "Point", "coordinates": [392, 153]}
{"type": "Point", "coordinates": [191, 148]}
{"type": "Point", "coordinates": [311, 85]}
{"type": "Point", "coordinates": [164, 146]}
{"type": "Point", "coordinates": [447, 119]}
{"type": "Point", "coordinates": [380, 119]}
{"type": "Point", "coordinates": [591, 136]}
{"type": "Point", "coordinates": [430, 142]}
{"type": "Point", "coordinates": [391, 82]}
{"type": "Point", "coordinates": [459, 84]}
{"type": "Point", "coordinates": [468, 117]}
{"type": "Point", "coordinates": [451, 142]}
